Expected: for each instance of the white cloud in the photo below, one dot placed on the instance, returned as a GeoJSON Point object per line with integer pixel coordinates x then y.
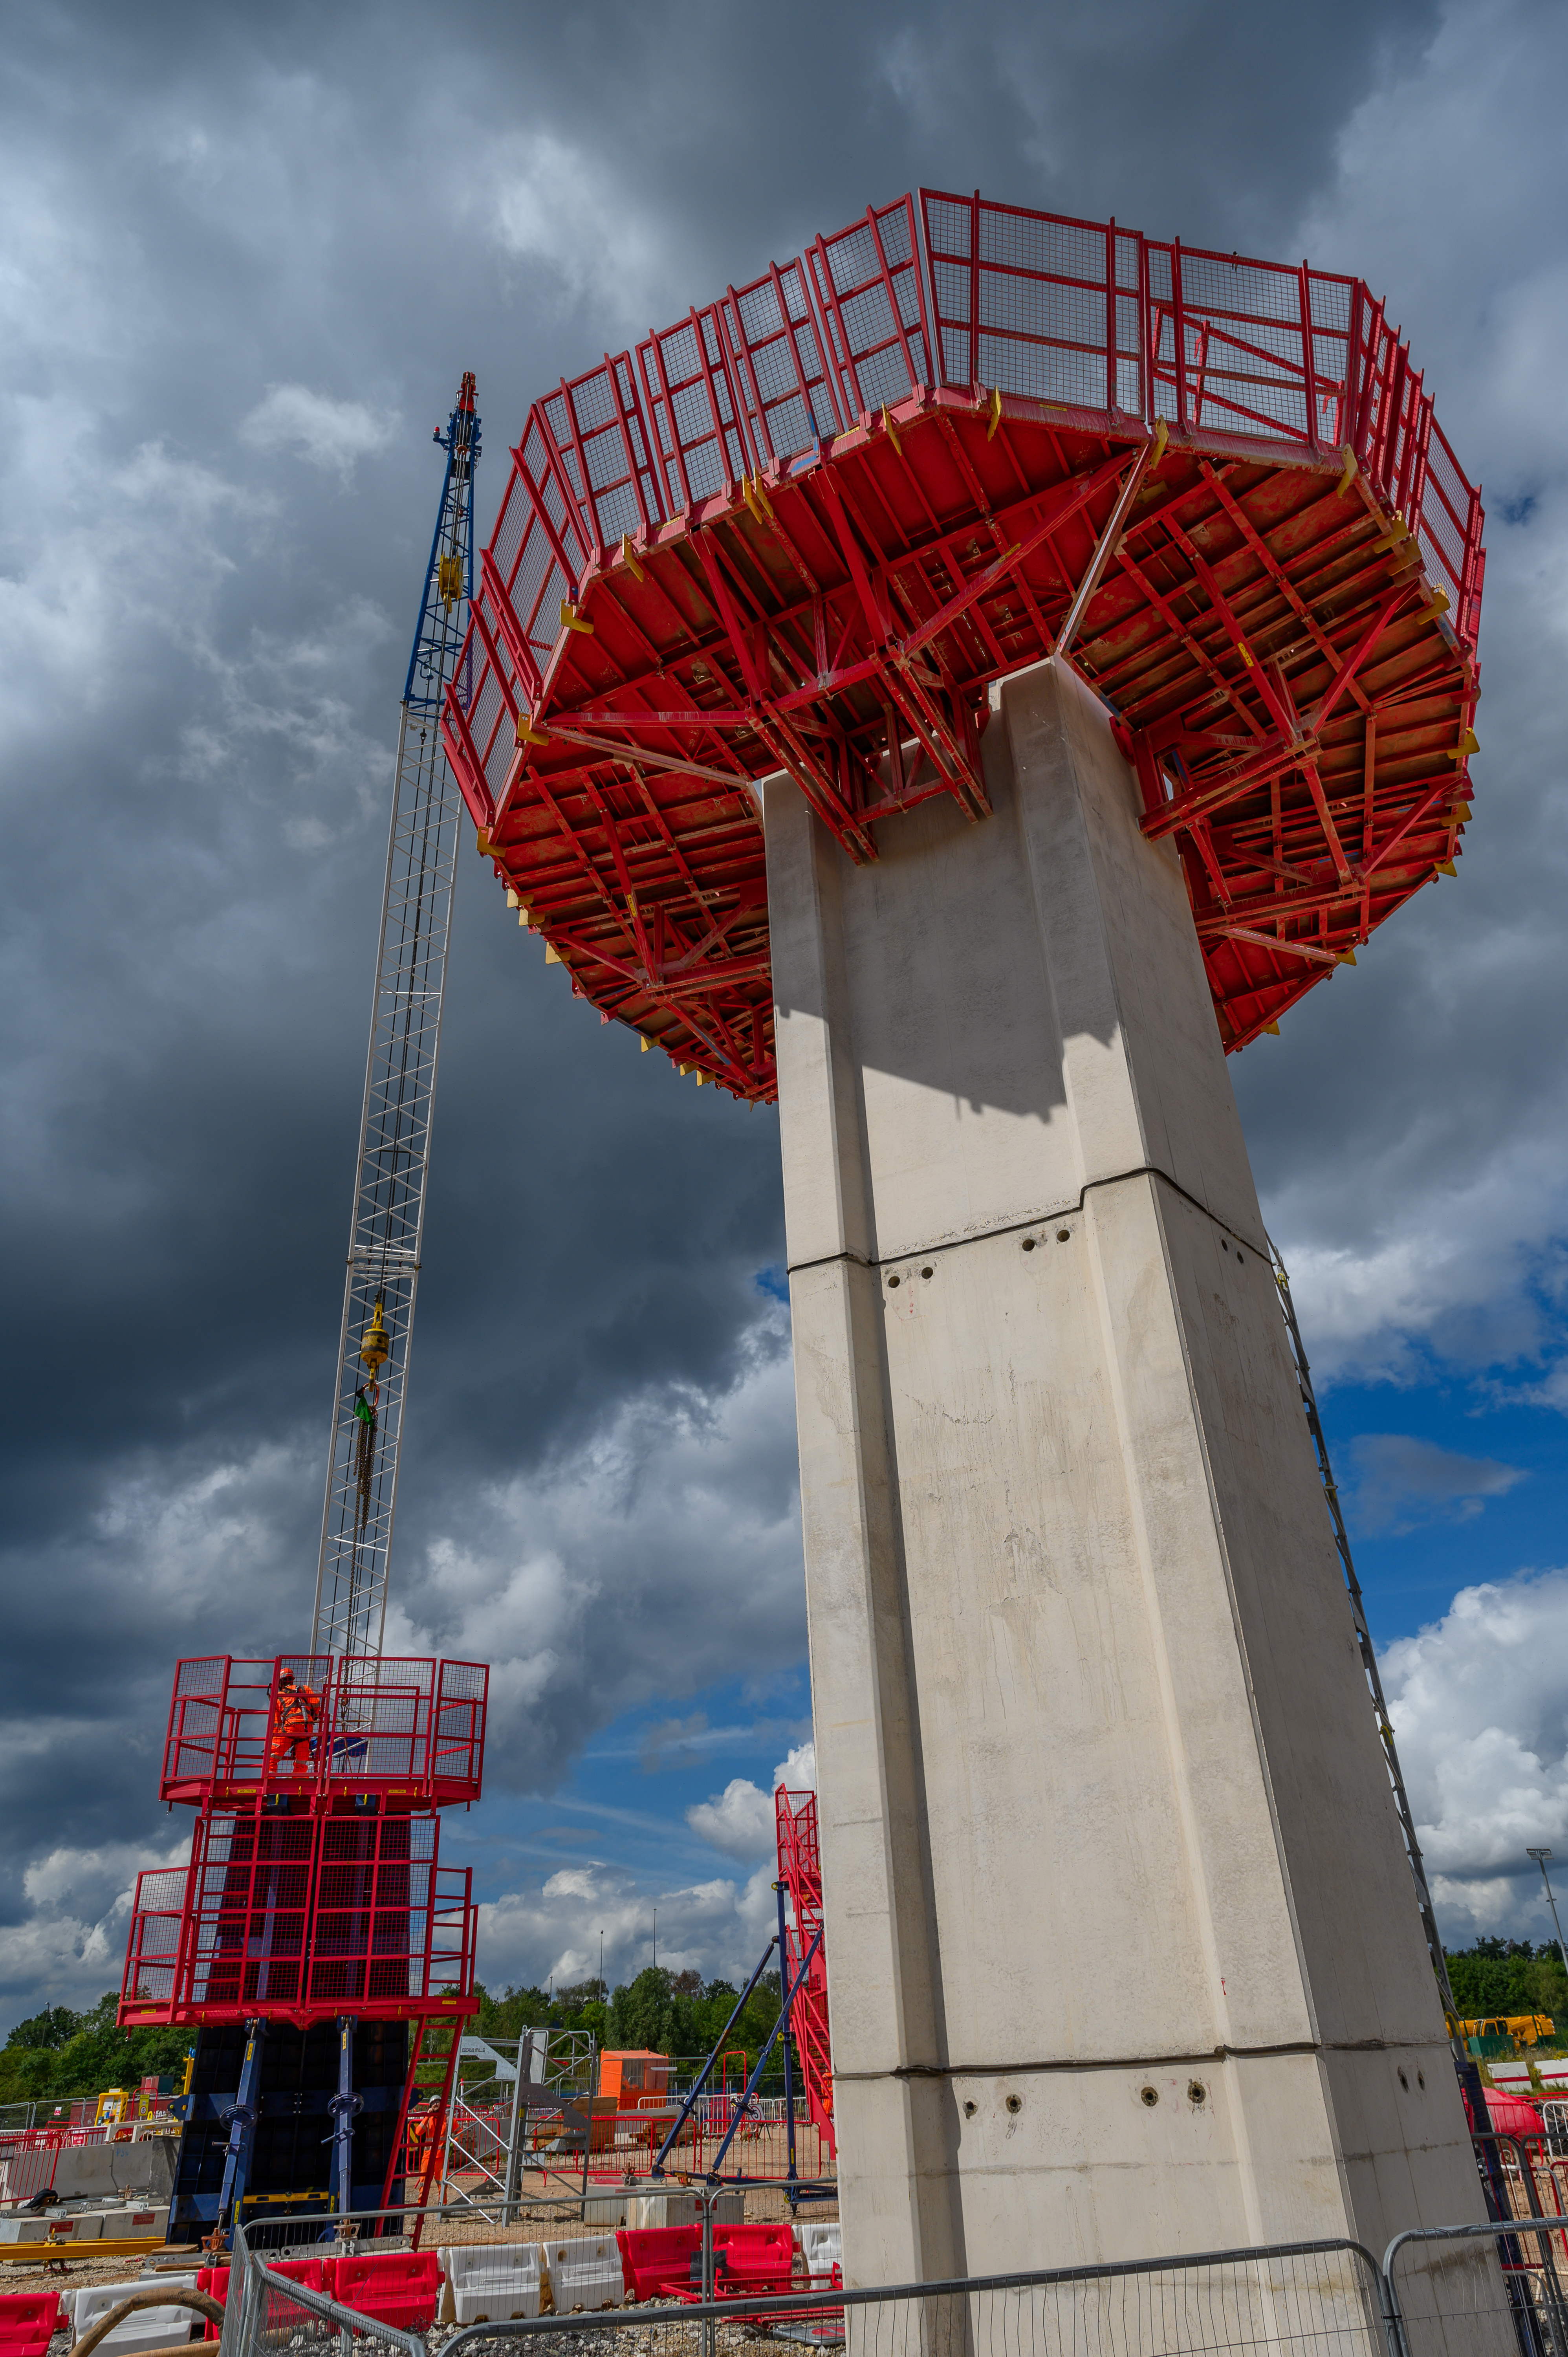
{"type": "Point", "coordinates": [328, 434]}
{"type": "Point", "coordinates": [72, 1941]}
{"type": "Point", "coordinates": [740, 1821]}
{"type": "Point", "coordinates": [1479, 1707]}
{"type": "Point", "coordinates": [552, 203]}
{"type": "Point", "coordinates": [717, 1928]}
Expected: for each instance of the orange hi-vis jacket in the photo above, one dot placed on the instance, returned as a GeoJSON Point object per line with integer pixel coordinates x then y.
{"type": "Point", "coordinates": [298, 1709]}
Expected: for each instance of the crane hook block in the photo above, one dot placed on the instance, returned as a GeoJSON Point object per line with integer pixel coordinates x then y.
{"type": "Point", "coordinates": [373, 1345]}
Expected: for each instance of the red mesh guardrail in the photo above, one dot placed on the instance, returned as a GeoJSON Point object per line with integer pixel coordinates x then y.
{"type": "Point", "coordinates": [291, 1917]}
{"type": "Point", "coordinates": [408, 1729]}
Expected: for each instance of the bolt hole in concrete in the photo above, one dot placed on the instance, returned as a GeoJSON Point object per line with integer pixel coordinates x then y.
{"type": "Point", "coordinates": [1421, 2078]}
{"type": "Point", "coordinates": [1064, 1235]}
{"type": "Point", "coordinates": [1149, 2096]}
{"type": "Point", "coordinates": [1197, 2093]}
{"type": "Point", "coordinates": [1405, 2082]}
{"type": "Point", "coordinates": [892, 1281]}
{"type": "Point", "coordinates": [1028, 1243]}
{"type": "Point", "coordinates": [969, 2111]}
{"type": "Point", "coordinates": [1015, 2102]}
{"type": "Point", "coordinates": [924, 1272]}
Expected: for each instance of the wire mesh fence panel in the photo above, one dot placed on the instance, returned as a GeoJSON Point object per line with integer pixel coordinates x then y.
{"type": "Point", "coordinates": [268, 2310]}
{"type": "Point", "coordinates": [1485, 2291]}
{"type": "Point", "coordinates": [1320, 2297]}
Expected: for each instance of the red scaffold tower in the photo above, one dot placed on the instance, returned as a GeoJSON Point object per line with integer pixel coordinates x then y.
{"type": "Point", "coordinates": [315, 1938]}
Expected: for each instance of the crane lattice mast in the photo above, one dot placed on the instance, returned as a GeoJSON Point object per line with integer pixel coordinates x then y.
{"type": "Point", "coordinates": [386, 1232]}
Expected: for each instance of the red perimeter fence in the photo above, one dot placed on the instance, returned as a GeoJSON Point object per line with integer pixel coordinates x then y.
{"type": "Point", "coordinates": [961, 293]}
{"type": "Point", "coordinates": [293, 1916]}
{"type": "Point", "coordinates": [408, 1729]}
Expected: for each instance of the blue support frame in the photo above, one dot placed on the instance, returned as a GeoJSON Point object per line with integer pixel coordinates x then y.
{"type": "Point", "coordinates": [750, 2089]}
{"type": "Point", "coordinates": [241, 2119]}
{"type": "Point", "coordinates": [684, 2113]}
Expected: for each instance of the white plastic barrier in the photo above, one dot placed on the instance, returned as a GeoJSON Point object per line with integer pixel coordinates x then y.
{"type": "Point", "coordinates": [489, 2282]}
{"type": "Point", "coordinates": [822, 2247]}
{"type": "Point", "coordinates": [145, 2327]}
{"type": "Point", "coordinates": [585, 2273]}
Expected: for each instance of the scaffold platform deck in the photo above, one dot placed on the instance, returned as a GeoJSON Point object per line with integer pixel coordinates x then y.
{"type": "Point", "coordinates": [406, 1731]}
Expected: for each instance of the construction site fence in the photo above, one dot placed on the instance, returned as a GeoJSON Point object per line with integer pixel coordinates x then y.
{"type": "Point", "coordinates": [1495, 2289]}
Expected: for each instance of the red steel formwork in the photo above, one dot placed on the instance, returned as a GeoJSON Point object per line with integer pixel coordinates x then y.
{"type": "Point", "coordinates": [292, 1918]}
{"type": "Point", "coordinates": [806, 528]}
{"type": "Point", "coordinates": [800, 1872]}
{"type": "Point", "coordinates": [406, 1731]}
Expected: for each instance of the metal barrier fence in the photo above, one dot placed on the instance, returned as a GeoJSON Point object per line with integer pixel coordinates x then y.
{"type": "Point", "coordinates": [1323, 2297]}
{"type": "Point", "coordinates": [1491, 2291]}
{"type": "Point", "coordinates": [1440, 2295]}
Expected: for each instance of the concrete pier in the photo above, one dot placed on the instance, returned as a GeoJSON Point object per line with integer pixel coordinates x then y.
{"type": "Point", "coordinates": [1122, 1949]}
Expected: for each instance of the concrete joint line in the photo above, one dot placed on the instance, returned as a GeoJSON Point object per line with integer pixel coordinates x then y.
{"type": "Point", "coordinates": [1304, 2046]}
{"type": "Point", "coordinates": [1035, 1220]}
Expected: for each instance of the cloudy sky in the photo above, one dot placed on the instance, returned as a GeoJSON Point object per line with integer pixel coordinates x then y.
{"type": "Point", "coordinates": [244, 253]}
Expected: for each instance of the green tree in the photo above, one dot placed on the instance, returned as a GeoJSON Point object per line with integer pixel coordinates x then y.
{"type": "Point", "coordinates": [1500, 1976]}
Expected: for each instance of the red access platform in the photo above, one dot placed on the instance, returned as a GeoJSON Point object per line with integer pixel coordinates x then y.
{"type": "Point", "coordinates": [407, 1731]}
{"type": "Point", "coordinates": [807, 527]}
{"type": "Point", "coordinates": [800, 1872]}
{"type": "Point", "coordinates": [314, 1886]}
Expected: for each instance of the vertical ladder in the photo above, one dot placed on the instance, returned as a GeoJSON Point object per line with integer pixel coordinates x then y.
{"type": "Point", "coordinates": [386, 1229]}
{"type": "Point", "coordinates": [1364, 1636]}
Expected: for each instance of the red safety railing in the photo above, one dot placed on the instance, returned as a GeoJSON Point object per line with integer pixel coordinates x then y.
{"type": "Point", "coordinates": [293, 1916]}
{"type": "Point", "coordinates": [800, 1872]}
{"type": "Point", "coordinates": [405, 1729]}
{"type": "Point", "coordinates": [954, 293]}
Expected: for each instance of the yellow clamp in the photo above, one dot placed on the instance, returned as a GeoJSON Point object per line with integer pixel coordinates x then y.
{"type": "Point", "coordinates": [527, 733]}
{"type": "Point", "coordinates": [628, 558]}
{"type": "Point", "coordinates": [1346, 957]}
{"type": "Point", "coordinates": [996, 411]}
{"type": "Point", "coordinates": [1467, 743]}
{"type": "Point", "coordinates": [1446, 868]}
{"type": "Point", "coordinates": [1351, 470]}
{"type": "Point", "coordinates": [553, 955]}
{"type": "Point", "coordinates": [571, 621]}
{"type": "Point", "coordinates": [1273, 1029]}
{"type": "Point", "coordinates": [483, 839]}
{"type": "Point", "coordinates": [1162, 436]}
{"type": "Point", "coordinates": [755, 499]}
{"type": "Point", "coordinates": [891, 430]}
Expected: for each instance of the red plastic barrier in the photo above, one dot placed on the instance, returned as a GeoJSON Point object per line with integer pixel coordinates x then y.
{"type": "Point", "coordinates": [214, 2282]}
{"type": "Point", "coordinates": [759, 2258]}
{"type": "Point", "coordinates": [399, 2288]}
{"type": "Point", "coordinates": [28, 2320]}
{"type": "Point", "coordinates": [656, 2261]}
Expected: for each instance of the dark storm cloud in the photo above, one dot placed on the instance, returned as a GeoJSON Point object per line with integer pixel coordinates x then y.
{"type": "Point", "coordinates": [248, 252]}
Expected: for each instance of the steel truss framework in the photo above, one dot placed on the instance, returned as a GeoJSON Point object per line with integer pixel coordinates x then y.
{"type": "Point", "coordinates": [801, 1876]}
{"type": "Point", "coordinates": [387, 1228]}
{"type": "Point", "coordinates": [805, 529]}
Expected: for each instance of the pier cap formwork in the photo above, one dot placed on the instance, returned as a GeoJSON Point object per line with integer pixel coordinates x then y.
{"type": "Point", "coordinates": [805, 529]}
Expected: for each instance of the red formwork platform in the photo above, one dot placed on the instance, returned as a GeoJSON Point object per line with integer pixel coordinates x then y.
{"type": "Point", "coordinates": [800, 1872]}
{"type": "Point", "coordinates": [406, 1730]}
{"type": "Point", "coordinates": [806, 528]}
{"type": "Point", "coordinates": [295, 1917]}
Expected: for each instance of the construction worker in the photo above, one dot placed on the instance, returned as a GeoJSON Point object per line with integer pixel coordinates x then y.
{"type": "Point", "coordinates": [294, 1722]}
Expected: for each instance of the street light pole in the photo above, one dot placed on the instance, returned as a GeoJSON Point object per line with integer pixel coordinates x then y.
{"type": "Point", "coordinates": [1540, 1856]}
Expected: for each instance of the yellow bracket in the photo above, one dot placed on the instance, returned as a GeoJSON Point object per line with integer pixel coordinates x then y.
{"type": "Point", "coordinates": [755, 499]}
{"type": "Point", "coordinates": [553, 955]}
{"type": "Point", "coordinates": [996, 411]}
{"type": "Point", "coordinates": [1469, 743]}
{"type": "Point", "coordinates": [1346, 957]}
{"type": "Point", "coordinates": [1162, 436]}
{"type": "Point", "coordinates": [1447, 867]}
{"type": "Point", "coordinates": [571, 621]}
{"type": "Point", "coordinates": [483, 839]}
{"type": "Point", "coordinates": [647, 1043]}
{"type": "Point", "coordinates": [511, 900]}
{"type": "Point", "coordinates": [1351, 470]}
{"type": "Point", "coordinates": [527, 733]}
{"type": "Point", "coordinates": [891, 430]}
{"type": "Point", "coordinates": [1439, 602]}
{"type": "Point", "coordinates": [1273, 1030]}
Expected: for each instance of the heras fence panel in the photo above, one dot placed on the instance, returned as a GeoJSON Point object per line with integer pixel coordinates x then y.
{"type": "Point", "coordinates": [1323, 2297]}
{"type": "Point", "coordinates": [1485, 2291]}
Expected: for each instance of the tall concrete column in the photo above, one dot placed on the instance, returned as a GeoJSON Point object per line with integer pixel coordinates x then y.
{"type": "Point", "coordinates": [1123, 1955]}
